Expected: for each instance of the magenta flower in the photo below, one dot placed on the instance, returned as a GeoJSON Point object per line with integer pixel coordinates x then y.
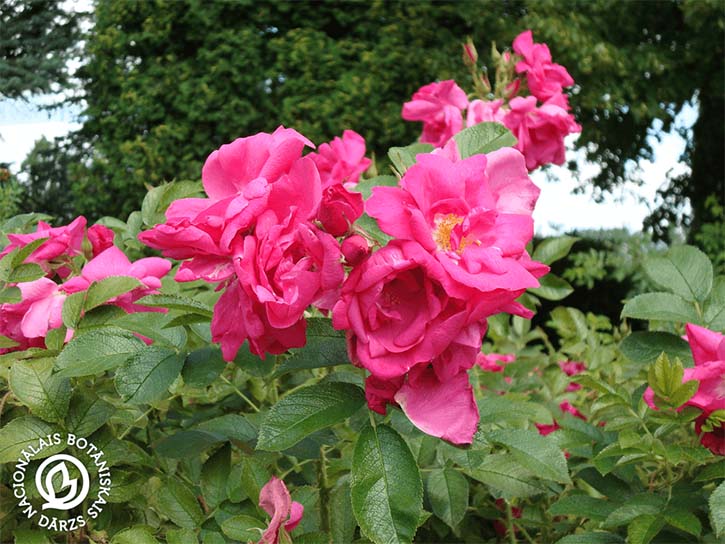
{"type": "Point", "coordinates": [274, 498]}
{"type": "Point", "coordinates": [339, 209]}
{"type": "Point", "coordinates": [540, 131]}
{"type": "Point", "coordinates": [572, 368]}
{"type": "Point", "coordinates": [342, 160]}
{"type": "Point", "coordinates": [100, 237]}
{"type": "Point", "coordinates": [62, 245]}
{"type": "Point", "coordinates": [485, 111]}
{"type": "Point", "coordinates": [544, 78]}
{"type": "Point", "coordinates": [493, 362]}
{"type": "Point", "coordinates": [439, 106]}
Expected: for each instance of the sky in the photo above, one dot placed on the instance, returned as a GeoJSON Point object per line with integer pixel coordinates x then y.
{"type": "Point", "coordinates": [558, 209]}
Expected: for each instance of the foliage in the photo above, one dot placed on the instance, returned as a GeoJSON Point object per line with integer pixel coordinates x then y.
{"type": "Point", "coordinates": [10, 193]}
{"type": "Point", "coordinates": [560, 455]}
{"type": "Point", "coordinates": [38, 39]}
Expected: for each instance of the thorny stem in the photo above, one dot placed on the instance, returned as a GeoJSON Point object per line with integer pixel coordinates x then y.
{"type": "Point", "coordinates": [324, 492]}
{"type": "Point", "coordinates": [510, 523]}
{"type": "Point", "coordinates": [238, 392]}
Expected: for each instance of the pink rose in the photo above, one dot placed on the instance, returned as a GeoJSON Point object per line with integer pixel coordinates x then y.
{"type": "Point", "coordinates": [439, 106]}
{"type": "Point", "coordinates": [269, 156]}
{"type": "Point", "coordinates": [474, 217]}
{"type": "Point", "coordinates": [493, 362]}
{"type": "Point", "coordinates": [100, 237]}
{"type": "Point", "coordinates": [489, 111]}
{"type": "Point", "coordinates": [339, 209]}
{"type": "Point", "coordinates": [62, 245]}
{"type": "Point", "coordinates": [113, 262]}
{"type": "Point", "coordinates": [544, 78]}
{"type": "Point", "coordinates": [397, 312]}
{"type": "Point", "coordinates": [355, 248]}
{"type": "Point", "coordinates": [714, 440]}
{"type": "Point", "coordinates": [572, 368]}
{"type": "Point", "coordinates": [274, 498]}
{"type": "Point", "coordinates": [342, 160]}
{"type": "Point", "coordinates": [540, 130]}
{"type": "Point", "coordinates": [28, 321]}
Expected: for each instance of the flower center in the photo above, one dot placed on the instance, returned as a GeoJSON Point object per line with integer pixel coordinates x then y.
{"type": "Point", "coordinates": [446, 237]}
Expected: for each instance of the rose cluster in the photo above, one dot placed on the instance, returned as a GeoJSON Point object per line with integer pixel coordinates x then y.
{"type": "Point", "coordinates": [539, 120]}
{"type": "Point", "coordinates": [266, 234]}
{"type": "Point", "coordinates": [28, 321]}
{"type": "Point", "coordinates": [415, 310]}
{"type": "Point", "coordinates": [708, 352]}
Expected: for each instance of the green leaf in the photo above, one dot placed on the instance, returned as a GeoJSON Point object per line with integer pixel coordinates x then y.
{"type": "Point", "coordinates": [385, 485]}
{"type": "Point", "coordinates": [148, 374]}
{"type": "Point", "coordinates": [372, 229]}
{"type": "Point", "coordinates": [214, 476]}
{"type": "Point", "coordinates": [646, 346]}
{"type": "Point", "coordinates": [342, 520]}
{"type": "Point", "coordinates": [553, 249]}
{"type": "Point", "coordinates": [537, 453]}
{"type": "Point", "coordinates": [231, 426]}
{"type": "Point", "coordinates": [254, 476]}
{"type": "Point", "coordinates": [203, 366]}
{"type": "Point", "coordinates": [181, 536]}
{"type": "Point", "coordinates": [403, 158]}
{"type": "Point", "coordinates": [155, 326]}
{"type": "Point", "coordinates": [102, 291]}
{"type": "Point", "coordinates": [552, 287]}
{"type": "Point", "coordinates": [325, 347]}
{"type": "Point", "coordinates": [125, 485]}
{"type": "Point", "coordinates": [73, 309]}
{"type": "Point", "coordinates": [6, 342]}
{"type": "Point", "coordinates": [34, 384]}
{"type": "Point", "coordinates": [712, 471]}
{"type": "Point", "coordinates": [643, 529]}
{"type": "Point", "coordinates": [716, 502]}
{"type": "Point", "coordinates": [140, 534]}
{"type": "Point", "coordinates": [505, 474]}
{"type": "Point", "coordinates": [715, 306]}
{"type": "Point", "coordinates": [242, 528]}
{"type": "Point", "coordinates": [592, 538]}
{"type": "Point", "coordinates": [660, 307]}
{"type": "Point", "coordinates": [582, 506]}
{"type": "Point", "coordinates": [483, 138]}
{"type": "Point", "coordinates": [187, 443]}
{"type": "Point", "coordinates": [366, 186]}
{"type": "Point", "coordinates": [448, 495]}
{"type": "Point", "coordinates": [159, 198]}
{"type": "Point", "coordinates": [307, 410]}
{"type": "Point", "coordinates": [10, 295]}
{"type": "Point", "coordinates": [177, 502]}
{"type": "Point", "coordinates": [25, 272]}
{"type": "Point", "coordinates": [26, 431]}
{"type": "Point", "coordinates": [684, 520]}
{"type": "Point", "coordinates": [27, 536]}
{"type": "Point", "coordinates": [176, 302]}
{"type": "Point", "coordinates": [96, 351]}
{"type": "Point", "coordinates": [683, 270]}
{"type": "Point", "coordinates": [639, 505]}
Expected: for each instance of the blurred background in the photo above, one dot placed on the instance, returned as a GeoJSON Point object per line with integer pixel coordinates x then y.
{"type": "Point", "coordinates": [100, 100]}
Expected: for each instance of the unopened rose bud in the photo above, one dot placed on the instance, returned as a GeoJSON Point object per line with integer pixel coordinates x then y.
{"type": "Point", "coordinates": [355, 248]}
{"type": "Point", "coordinates": [470, 55]}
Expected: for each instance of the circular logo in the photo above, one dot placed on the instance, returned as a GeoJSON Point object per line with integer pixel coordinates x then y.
{"type": "Point", "coordinates": [56, 465]}
{"type": "Point", "coordinates": [63, 481]}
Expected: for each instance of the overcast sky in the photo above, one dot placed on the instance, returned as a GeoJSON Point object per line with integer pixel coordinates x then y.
{"type": "Point", "coordinates": [558, 209]}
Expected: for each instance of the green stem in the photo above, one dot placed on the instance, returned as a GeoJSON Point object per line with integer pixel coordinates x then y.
{"type": "Point", "coordinates": [238, 392]}
{"type": "Point", "coordinates": [133, 424]}
{"type": "Point", "coordinates": [510, 524]}
{"type": "Point", "coordinates": [324, 493]}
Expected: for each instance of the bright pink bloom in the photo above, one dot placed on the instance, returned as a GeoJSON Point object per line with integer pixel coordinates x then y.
{"type": "Point", "coordinates": [355, 248]}
{"type": "Point", "coordinates": [381, 392]}
{"type": "Point", "coordinates": [446, 409]}
{"type": "Point", "coordinates": [28, 321]}
{"type": "Point", "coordinates": [474, 216]}
{"type": "Point", "coordinates": [269, 156]}
{"type": "Point", "coordinates": [706, 345]}
{"type": "Point", "coordinates": [397, 312]}
{"type": "Point", "coordinates": [547, 429]}
{"type": "Point", "coordinates": [63, 243]}
{"type": "Point", "coordinates": [339, 209]}
{"type": "Point", "coordinates": [342, 160]}
{"type": "Point", "coordinates": [544, 78]}
{"type": "Point", "coordinates": [572, 368]}
{"type": "Point", "coordinates": [494, 362]}
{"type": "Point", "coordinates": [540, 131]}
{"type": "Point", "coordinates": [113, 262]}
{"type": "Point", "coordinates": [713, 440]}
{"type": "Point", "coordinates": [488, 111]}
{"type": "Point", "coordinates": [100, 237]}
{"type": "Point", "coordinates": [568, 408]}
{"type": "Point", "coordinates": [274, 498]}
{"type": "Point", "coordinates": [439, 106]}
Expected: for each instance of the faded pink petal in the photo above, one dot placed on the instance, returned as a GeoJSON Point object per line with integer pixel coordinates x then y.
{"type": "Point", "coordinates": [444, 409]}
{"type": "Point", "coordinates": [274, 498]}
{"type": "Point", "coordinates": [488, 111]}
{"type": "Point", "coordinates": [493, 362]}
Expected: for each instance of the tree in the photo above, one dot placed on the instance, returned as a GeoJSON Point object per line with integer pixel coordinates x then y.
{"type": "Point", "coordinates": [37, 38]}
{"type": "Point", "coordinates": [167, 82]}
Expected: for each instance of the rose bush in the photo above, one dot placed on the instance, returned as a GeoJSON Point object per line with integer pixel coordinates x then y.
{"type": "Point", "coordinates": [323, 354]}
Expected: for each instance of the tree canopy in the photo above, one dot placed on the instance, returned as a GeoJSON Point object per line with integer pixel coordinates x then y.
{"type": "Point", "coordinates": [167, 82]}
